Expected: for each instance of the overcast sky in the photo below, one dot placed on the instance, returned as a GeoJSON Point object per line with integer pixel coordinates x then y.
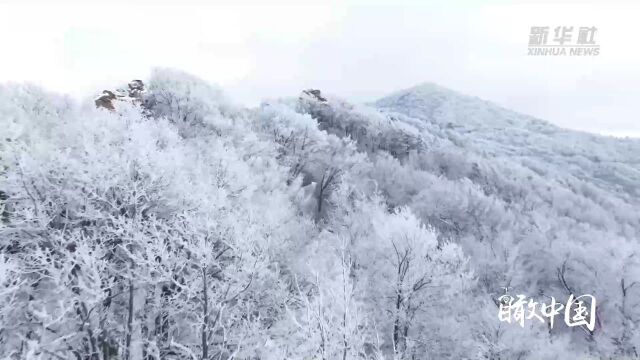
{"type": "Point", "coordinates": [356, 49]}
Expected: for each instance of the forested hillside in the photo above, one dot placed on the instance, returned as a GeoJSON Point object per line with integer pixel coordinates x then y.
{"type": "Point", "coordinates": [178, 225]}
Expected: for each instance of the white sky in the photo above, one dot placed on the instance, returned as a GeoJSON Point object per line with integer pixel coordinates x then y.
{"type": "Point", "coordinates": [356, 49]}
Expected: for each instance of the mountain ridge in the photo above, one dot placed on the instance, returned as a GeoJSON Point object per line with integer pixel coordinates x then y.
{"type": "Point", "coordinates": [503, 132]}
{"type": "Point", "coordinates": [307, 227]}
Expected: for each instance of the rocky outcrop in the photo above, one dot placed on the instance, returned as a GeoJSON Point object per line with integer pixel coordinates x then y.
{"type": "Point", "coordinates": [315, 94]}
{"type": "Point", "coordinates": [136, 91]}
{"type": "Point", "coordinates": [135, 94]}
{"type": "Point", "coordinates": [105, 100]}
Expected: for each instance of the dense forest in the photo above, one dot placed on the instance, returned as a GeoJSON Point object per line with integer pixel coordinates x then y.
{"type": "Point", "coordinates": [175, 224]}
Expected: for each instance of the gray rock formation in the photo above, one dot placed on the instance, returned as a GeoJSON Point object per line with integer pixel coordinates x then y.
{"type": "Point", "coordinates": [134, 95]}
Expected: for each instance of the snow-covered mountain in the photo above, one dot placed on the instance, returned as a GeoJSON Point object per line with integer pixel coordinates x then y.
{"type": "Point", "coordinates": [485, 128]}
{"type": "Point", "coordinates": [182, 226]}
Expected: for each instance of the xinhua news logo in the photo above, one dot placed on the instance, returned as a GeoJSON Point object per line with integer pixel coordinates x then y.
{"type": "Point", "coordinates": [563, 41]}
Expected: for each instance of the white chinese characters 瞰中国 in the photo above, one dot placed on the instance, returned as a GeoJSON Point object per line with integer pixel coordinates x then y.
{"type": "Point", "coordinates": [578, 311]}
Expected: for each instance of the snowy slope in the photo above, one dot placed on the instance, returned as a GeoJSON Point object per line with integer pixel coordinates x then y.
{"type": "Point", "coordinates": [183, 226]}
{"type": "Point", "coordinates": [488, 129]}
{"type": "Point", "coordinates": [538, 209]}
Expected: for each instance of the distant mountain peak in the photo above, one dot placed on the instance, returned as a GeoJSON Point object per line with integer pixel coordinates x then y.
{"type": "Point", "coordinates": [437, 104]}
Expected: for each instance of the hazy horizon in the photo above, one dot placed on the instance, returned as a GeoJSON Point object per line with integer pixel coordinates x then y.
{"type": "Point", "coordinates": [356, 51]}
